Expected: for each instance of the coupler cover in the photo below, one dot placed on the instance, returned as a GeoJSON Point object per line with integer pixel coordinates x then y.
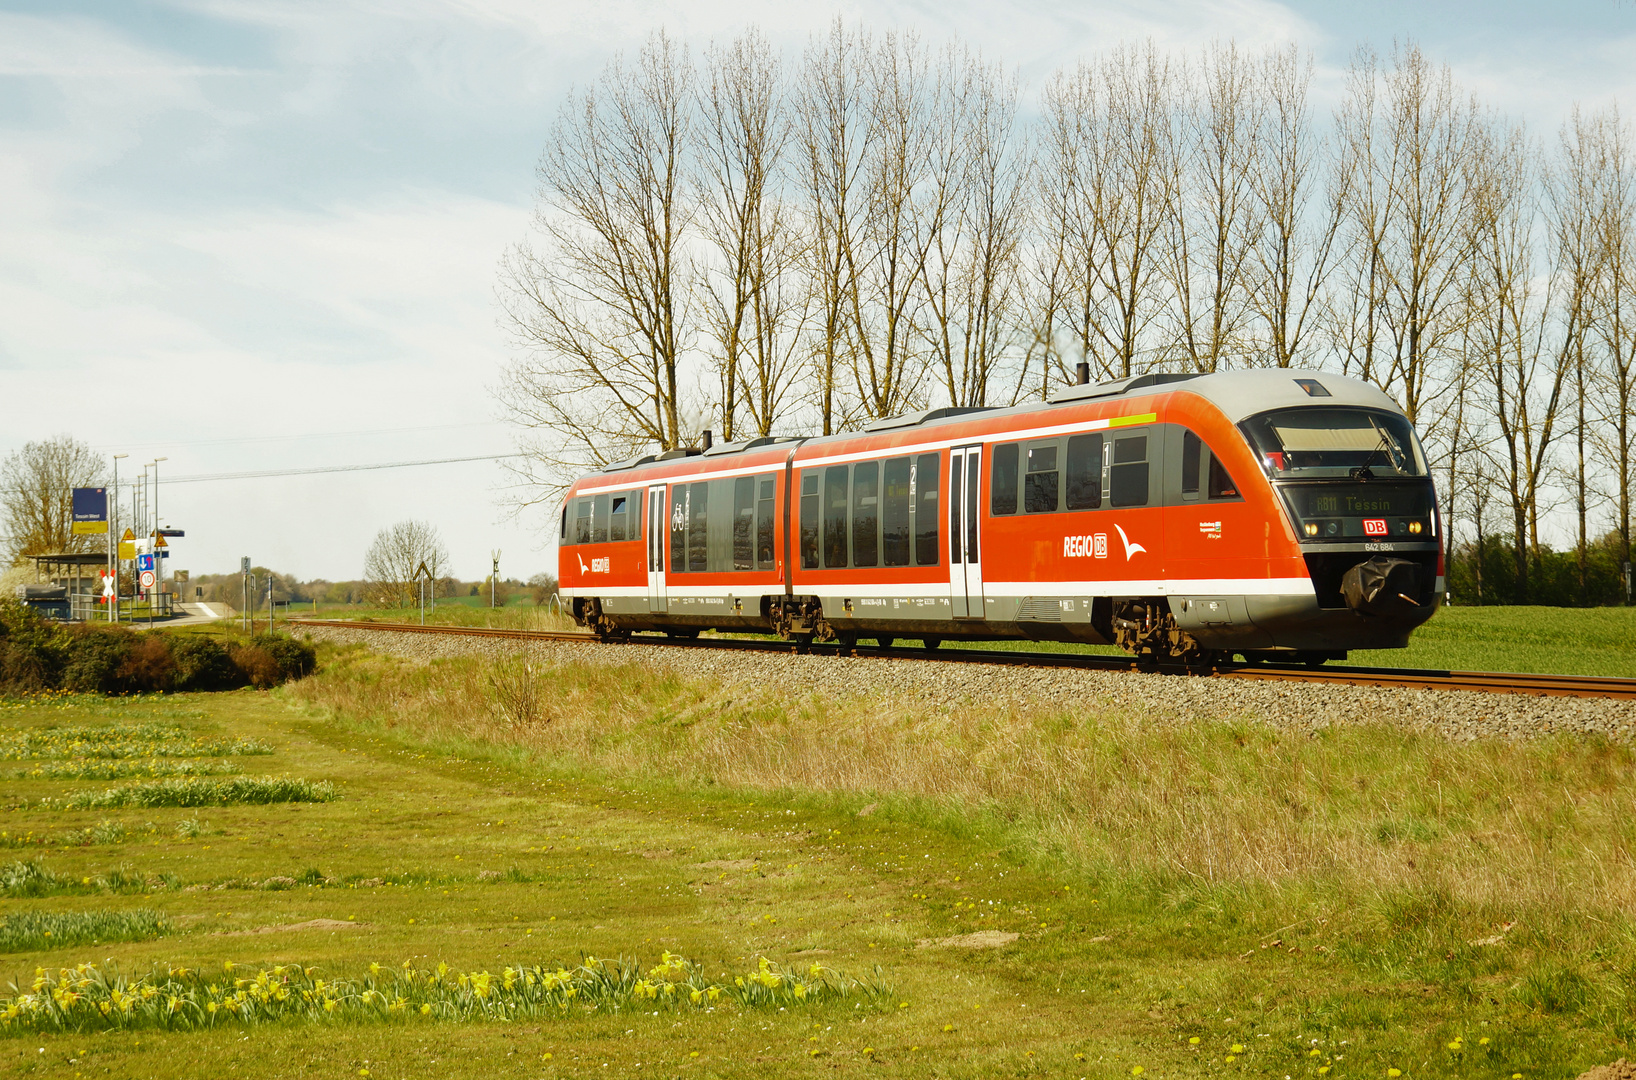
{"type": "Point", "coordinates": [1382, 586]}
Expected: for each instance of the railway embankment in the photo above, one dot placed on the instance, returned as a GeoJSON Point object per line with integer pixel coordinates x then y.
{"type": "Point", "coordinates": [1159, 698]}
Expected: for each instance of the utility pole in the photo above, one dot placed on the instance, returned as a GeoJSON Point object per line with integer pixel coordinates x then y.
{"type": "Point", "coordinates": [244, 576]}
{"type": "Point", "coordinates": [494, 577]}
{"type": "Point", "coordinates": [113, 539]}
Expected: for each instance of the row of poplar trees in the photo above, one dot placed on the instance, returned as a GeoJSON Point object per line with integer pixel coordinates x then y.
{"type": "Point", "coordinates": [760, 243]}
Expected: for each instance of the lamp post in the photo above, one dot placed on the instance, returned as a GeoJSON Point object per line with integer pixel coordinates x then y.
{"type": "Point", "coordinates": [113, 540]}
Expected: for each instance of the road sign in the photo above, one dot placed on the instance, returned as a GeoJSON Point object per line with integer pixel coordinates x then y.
{"type": "Point", "coordinates": [244, 565]}
{"type": "Point", "coordinates": [144, 563]}
{"type": "Point", "coordinates": [159, 541]}
{"type": "Point", "coordinates": [146, 579]}
{"type": "Point", "coordinates": [108, 588]}
{"type": "Point", "coordinates": [179, 576]}
{"type": "Point", "coordinates": [127, 545]}
{"type": "Point", "coordinates": [172, 532]}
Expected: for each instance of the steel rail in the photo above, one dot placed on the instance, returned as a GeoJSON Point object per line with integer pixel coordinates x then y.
{"type": "Point", "coordinates": [1487, 682]}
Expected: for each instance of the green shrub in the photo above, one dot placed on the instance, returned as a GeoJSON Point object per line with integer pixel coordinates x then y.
{"type": "Point", "coordinates": [38, 655]}
{"type": "Point", "coordinates": [202, 663]}
{"type": "Point", "coordinates": [95, 655]}
{"type": "Point", "coordinates": [295, 659]}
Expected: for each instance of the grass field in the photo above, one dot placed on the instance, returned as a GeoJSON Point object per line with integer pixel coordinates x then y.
{"type": "Point", "coordinates": [1563, 641]}
{"type": "Point", "coordinates": [1189, 901]}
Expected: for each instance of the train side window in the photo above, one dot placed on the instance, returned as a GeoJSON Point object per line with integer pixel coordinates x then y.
{"type": "Point", "coordinates": [923, 494]}
{"type": "Point", "coordinates": [1192, 453]}
{"type": "Point", "coordinates": [582, 521]}
{"type": "Point", "coordinates": [1128, 479]}
{"type": "Point", "coordinates": [764, 524]}
{"type": "Point", "coordinates": [633, 516]}
{"type": "Point", "coordinates": [744, 523]}
{"type": "Point", "coordinates": [1221, 483]}
{"type": "Point", "coordinates": [698, 526]}
{"type": "Point", "coordinates": [956, 461]}
{"type": "Point", "coordinates": [866, 513]}
{"type": "Point", "coordinates": [678, 528]}
{"type": "Point", "coordinates": [599, 520]}
{"type": "Point", "coordinates": [1002, 485]}
{"type": "Point", "coordinates": [1084, 472]}
{"type": "Point", "coordinates": [809, 520]}
{"type": "Point", "coordinates": [971, 518]}
{"type": "Point", "coordinates": [616, 518]}
{"type": "Point", "coordinates": [1040, 481]}
{"type": "Point", "coordinates": [894, 514]}
{"type": "Point", "coordinates": [835, 485]}
{"type": "Point", "coordinates": [562, 536]}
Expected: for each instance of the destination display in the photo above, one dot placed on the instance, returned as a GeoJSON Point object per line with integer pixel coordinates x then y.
{"type": "Point", "coordinates": [1367, 511]}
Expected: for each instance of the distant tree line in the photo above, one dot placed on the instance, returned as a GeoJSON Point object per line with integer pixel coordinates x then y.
{"type": "Point", "coordinates": [758, 243]}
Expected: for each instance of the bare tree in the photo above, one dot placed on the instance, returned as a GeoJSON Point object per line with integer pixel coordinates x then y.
{"type": "Point", "coordinates": [37, 497]}
{"type": "Point", "coordinates": [1217, 218]}
{"type": "Point", "coordinates": [970, 273]}
{"type": "Point", "coordinates": [835, 136]}
{"type": "Point", "coordinates": [600, 311]}
{"type": "Point", "coordinates": [1408, 137]}
{"type": "Point", "coordinates": [395, 557]}
{"type": "Point", "coordinates": [1614, 305]}
{"type": "Point", "coordinates": [1524, 374]}
{"type": "Point", "coordinates": [1293, 251]}
{"type": "Point", "coordinates": [755, 298]}
{"type": "Point", "coordinates": [1110, 159]}
{"type": "Point", "coordinates": [912, 168]}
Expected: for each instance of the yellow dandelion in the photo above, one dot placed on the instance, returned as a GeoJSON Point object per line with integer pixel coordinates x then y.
{"type": "Point", "coordinates": [1394, 1072]}
{"type": "Point", "coordinates": [1194, 1041]}
{"type": "Point", "coordinates": [1137, 1070]}
{"type": "Point", "coordinates": [1237, 1048]}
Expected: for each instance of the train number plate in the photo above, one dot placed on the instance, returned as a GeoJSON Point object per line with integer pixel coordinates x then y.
{"type": "Point", "coordinates": [1374, 527]}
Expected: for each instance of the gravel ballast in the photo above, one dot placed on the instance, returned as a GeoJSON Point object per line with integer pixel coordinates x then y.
{"type": "Point", "coordinates": [1297, 706]}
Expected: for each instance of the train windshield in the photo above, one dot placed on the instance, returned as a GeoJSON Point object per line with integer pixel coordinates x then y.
{"type": "Point", "coordinates": [1346, 443]}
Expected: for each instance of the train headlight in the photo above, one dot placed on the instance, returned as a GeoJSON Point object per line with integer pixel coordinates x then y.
{"type": "Point", "coordinates": [1312, 528]}
{"type": "Point", "coordinates": [1332, 527]}
{"type": "Point", "coordinates": [1415, 527]}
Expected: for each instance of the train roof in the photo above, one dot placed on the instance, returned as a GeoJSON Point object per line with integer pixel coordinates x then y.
{"type": "Point", "coordinates": [1238, 394]}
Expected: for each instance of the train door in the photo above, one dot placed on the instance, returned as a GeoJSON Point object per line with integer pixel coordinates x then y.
{"type": "Point", "coordinates": [965, 558]}
{"type": "Point", "coordinates": [657, 531]}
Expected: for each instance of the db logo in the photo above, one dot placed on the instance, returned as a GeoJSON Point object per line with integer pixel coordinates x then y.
{"type": "Point", "coordinates": [1078, 547]}
{"type": "Point", "coordinates": [1374, 527]}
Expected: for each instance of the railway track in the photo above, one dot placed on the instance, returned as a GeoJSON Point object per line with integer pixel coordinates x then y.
{"type": "Point", "coordinates": [1487, 682]}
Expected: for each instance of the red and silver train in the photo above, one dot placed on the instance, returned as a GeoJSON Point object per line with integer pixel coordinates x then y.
{"type": "Point", "coordinates": [1271, 514]}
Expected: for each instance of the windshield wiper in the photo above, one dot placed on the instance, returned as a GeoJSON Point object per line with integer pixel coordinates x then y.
{"type": "Point", "coordinates": [1394, 457]}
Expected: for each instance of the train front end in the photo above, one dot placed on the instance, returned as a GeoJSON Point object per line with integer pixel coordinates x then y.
{"type": "Point", "coordinates": [1349, 475]}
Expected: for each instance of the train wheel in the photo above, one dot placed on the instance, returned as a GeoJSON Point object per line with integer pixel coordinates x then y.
{"type": "Point", "coordinates": [931, 642]}
{"type": "Point", "coordinates": [886, 642]}
{"type": "Point", "coordinates": [848, 642]}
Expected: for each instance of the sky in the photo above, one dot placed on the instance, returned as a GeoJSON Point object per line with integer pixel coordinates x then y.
{"type": "Point", "coordinates": [262, 235]}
